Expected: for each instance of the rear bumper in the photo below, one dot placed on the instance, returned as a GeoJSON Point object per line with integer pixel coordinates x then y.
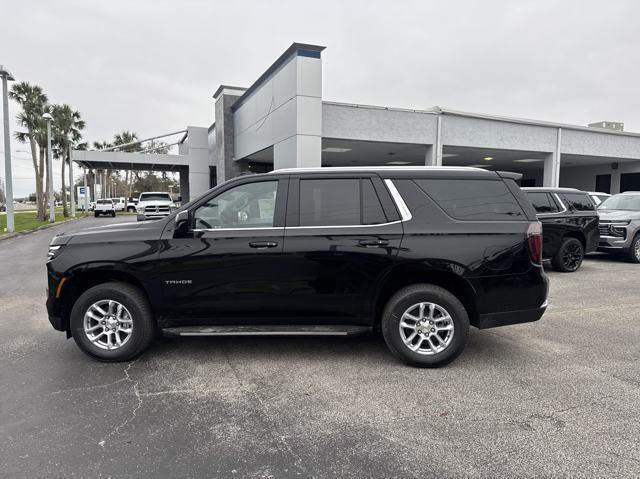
{"type": "Point", "coordinates": [494, 320]}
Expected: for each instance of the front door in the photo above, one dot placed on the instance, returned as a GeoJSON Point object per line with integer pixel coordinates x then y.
{"type": "Point", "coordinates": [226, 268]}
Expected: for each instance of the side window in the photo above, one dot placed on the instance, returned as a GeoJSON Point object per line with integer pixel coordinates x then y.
{"type": "Point", "coordinates": [329, 202]}
{"type": "Point", "coordinates": [372, 213]}
{"type": "Point", "coordinates": [542, 202]}
{"type": "Point", "coordinates": [579, 201]}
{"type": "Point", "coordinates": [251, 205]}
{"type": "Point", "coordinates": [473, 200]}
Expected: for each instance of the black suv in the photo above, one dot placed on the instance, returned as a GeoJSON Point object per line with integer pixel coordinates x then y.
{"type": "Point", "coordinates": [570, 225]}
{"type": "Point", "coordinates": [420, 253]}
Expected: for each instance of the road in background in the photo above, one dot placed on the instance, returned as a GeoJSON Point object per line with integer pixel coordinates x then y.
{"type": "Point", "coordinates": [560, 397]}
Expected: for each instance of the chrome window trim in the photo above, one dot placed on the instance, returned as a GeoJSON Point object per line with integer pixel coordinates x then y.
{"type": "Point", "coordinates": [265, 228]}
{"type": "Point", "coordinates": [405, 213]}
{"type": "Point", "coordinates": [342, 226]}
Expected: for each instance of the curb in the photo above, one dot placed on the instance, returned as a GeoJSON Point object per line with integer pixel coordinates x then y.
{"type": "Point", "coordinates": [39, 228]}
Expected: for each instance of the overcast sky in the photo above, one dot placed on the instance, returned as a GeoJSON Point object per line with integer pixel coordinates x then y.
{"type": "Point", "coordinates": [152, 66]}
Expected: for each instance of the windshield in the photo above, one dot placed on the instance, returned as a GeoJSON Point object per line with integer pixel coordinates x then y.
{"type": "Point", "coordinates": [621, 202]}
{"type": "Point", "coordinates": [155, 197]}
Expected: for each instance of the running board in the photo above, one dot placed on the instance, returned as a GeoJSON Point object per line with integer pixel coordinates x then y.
{"type": "Point", "coordinates": [267, 330]}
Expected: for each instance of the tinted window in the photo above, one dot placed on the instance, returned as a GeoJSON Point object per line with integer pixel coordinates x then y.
{"type": "Point", "coordinates": [542, 202]}
{"type": "Point", "coordinates": [477, 200]}
{"type": "Point", "coordinates": [251, 205]}
{"type": "Point", "coordinates": [372, 213]}
{"type": "Point", "coordinates": [329, 202]}
{"type": "Point", "coordinates": [580, 202]}
{"type": "Point", "coordinates": [155, 197]}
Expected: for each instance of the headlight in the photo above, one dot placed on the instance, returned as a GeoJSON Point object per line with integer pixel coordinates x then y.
{"type": "Point", "coordinates": [54, 250]}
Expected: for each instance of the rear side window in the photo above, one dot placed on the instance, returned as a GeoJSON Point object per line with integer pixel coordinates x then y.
{"type": "Point", "coordinates": [473, 200]}
{"type": "Point", "coordinates": [580, 202]}
{"type": "Point", "coordinates": [542, 202]}
{"type": "Point", "coordinates": [339, 202]}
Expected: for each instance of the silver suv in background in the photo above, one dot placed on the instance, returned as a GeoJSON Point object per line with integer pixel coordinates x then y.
{"type": "Point", "coordinates": [620, 225]}
{"type": "Point", "coordinates": [154, 205]}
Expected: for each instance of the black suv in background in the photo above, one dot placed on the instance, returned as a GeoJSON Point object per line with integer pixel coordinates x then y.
{"type": "Point", "coordinates": [569, 224]}
{"type": "Point", "coordinates": [420, 253]}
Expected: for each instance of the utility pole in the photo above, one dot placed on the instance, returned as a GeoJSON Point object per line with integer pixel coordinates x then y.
{"type": "Point", "coordinates": [52, 203]}
{"type": "Point", "coordinates": [86, 193]}
{"type": "Point", "coordinates": [8, 183]}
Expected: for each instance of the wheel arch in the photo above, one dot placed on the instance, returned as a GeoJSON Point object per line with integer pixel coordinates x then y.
{"type": "Point", "coordinates": [81, 281]}
{"type": "Point", "coordinates": [405, 275]}
{"type": "Point", "coordinates": [579, 235]}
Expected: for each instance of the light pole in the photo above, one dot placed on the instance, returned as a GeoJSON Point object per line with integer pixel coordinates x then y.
{"type": "Point", "coordinates": [52, 205]}
{"type": "Point", "coordinates": [72, 192]}
{"type": "Point", "coordinates": [6, 76]}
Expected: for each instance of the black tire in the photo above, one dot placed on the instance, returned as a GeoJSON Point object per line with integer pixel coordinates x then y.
{"type": "Point", "coordinates": [569, 256]}
{"type": "Point", "coordinates": [424, 293]}
{"type": "Point", "coordinates": [96, 214]}
{"type": "Point", "coordinates": [131, 209]}
{"type": "Point", "coordinates": [113, 214]}
{"type": "Point", "coordinates": [634, 251]}
{"type": "Point", "coordinates": [144, 326]}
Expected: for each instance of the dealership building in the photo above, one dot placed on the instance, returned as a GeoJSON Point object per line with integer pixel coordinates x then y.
{"type": "Point", "coordinates": [283, 121]}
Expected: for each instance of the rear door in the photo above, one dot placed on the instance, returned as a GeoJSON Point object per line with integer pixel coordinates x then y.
{"type": "Point", "coordinates": [342, 233]}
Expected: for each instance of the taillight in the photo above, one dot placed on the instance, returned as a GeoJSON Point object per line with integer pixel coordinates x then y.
{"type": "Point", "coordinates": [534, 240]}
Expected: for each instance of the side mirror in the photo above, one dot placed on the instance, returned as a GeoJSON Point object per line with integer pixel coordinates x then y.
{"type": "Point", "coordinates": [182, 221]}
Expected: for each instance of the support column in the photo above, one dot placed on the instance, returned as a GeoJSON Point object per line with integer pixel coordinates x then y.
{"type": "Point", "coordinates": [226, 167]}
{"type": "Point", "coordinates": [434, 151]}
{"type": "Point", "coordinates": [552, 164]}
{"type": "Point", "coordinates": [184, 186]}
{"type": "Point", "coordinates": [198, 163]}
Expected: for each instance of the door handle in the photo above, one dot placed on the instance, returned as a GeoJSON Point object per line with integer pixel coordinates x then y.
{"type": "Point", "coordinates": [263, 244]}
{"type": "Point", "coordinates": [373, 243]}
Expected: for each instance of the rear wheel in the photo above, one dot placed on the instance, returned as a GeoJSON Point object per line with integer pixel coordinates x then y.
{"type": "Point", "coordinates": [425, 325]}
{"type": "Point", "coordinates": [634, 252]}
{"type": "Point", "coordinates": [113, 214]}
{"type": "Point", "coordinates": [96, 214]}
{"type": "Point", "coordinates": [112, 322]}
{"type": "Point", "coordinates": [569, 256]}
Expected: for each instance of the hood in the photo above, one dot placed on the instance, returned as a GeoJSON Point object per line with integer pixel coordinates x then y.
{"type": "Point", "coordinates": [618, 215]}
{"type": "Point", "coordinates": [155, 202]}
{"type": "Point", "coordinates": [139, 231]}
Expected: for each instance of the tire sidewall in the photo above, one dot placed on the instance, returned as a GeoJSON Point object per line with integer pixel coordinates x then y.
{"type": "Point", "coordinates": [400, 302]}
{"type": "Point", "coordinates": [632, 252]}
{"type": "Point", "coordinates": [142, 332]}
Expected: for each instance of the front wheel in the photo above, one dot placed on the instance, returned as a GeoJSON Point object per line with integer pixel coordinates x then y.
{"type": "Point", "coordinates": [569, 257]}
{"type": "Point", "coordinates": [112, 322]}
{"type": "Point", "coordinates": [425, 325]}
{"type": "Point", "coordinates": [634, 252]}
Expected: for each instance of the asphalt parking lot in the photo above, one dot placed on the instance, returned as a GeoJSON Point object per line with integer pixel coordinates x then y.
{"type": "Point", "coordinates": [557, 398]}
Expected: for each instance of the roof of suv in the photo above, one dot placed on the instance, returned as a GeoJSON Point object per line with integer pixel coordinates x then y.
{"type": "Point", "coordinates": [553, 190]}
{"type": "Point", "coordinates": [448, 171]}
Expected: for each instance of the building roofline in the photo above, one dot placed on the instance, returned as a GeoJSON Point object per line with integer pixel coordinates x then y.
{"type": "Point", "coordinates": [436, 110]}
{"type": "Point", "coordinates": [282, 59]}
{"type": "Point", "coordinates": [221, 88]}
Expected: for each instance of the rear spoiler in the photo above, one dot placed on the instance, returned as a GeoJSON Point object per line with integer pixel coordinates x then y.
{"type": "Point", "coordinates": [510, 175]}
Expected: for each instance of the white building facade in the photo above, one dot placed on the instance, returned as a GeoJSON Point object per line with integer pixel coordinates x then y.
{"type": "Point", "coordinates": [282, 121]}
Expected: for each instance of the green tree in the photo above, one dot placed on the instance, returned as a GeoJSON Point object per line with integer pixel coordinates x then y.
{"type": "Point", "coordinates": [68, 126]}
{"type": "Point", "coordinates": [33, 103]}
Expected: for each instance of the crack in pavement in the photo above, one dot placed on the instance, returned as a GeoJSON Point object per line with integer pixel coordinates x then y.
{"type": "Point", "coordinates": [135, 410]}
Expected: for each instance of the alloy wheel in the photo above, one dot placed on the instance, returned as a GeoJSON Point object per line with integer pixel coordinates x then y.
{"type": "Point", "coordinates": [572, 256]}
{"type": "Point", "coordinates": [426, 328]}
{"type": "Point", "coordinates": [108, 324]}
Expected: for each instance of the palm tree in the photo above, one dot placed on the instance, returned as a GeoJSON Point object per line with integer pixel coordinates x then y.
{"type": "Point", "coordinates": [68, 125]}
{"type": "Point", "coordinates": [124, 138]}
{"type": "Point", "coordinates": [33, 102]}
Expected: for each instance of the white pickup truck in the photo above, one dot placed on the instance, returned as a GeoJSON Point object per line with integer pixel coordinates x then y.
{"type": "Point", "coordinates": [154, 205]}
{"type": "Point", "coordinates": [104, 207]}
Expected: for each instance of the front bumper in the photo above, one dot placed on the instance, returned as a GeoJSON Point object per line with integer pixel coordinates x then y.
{"type": "Point", "coordinates": [494, 320]}
{"type": "Point", "coordinates": [613, 244]}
